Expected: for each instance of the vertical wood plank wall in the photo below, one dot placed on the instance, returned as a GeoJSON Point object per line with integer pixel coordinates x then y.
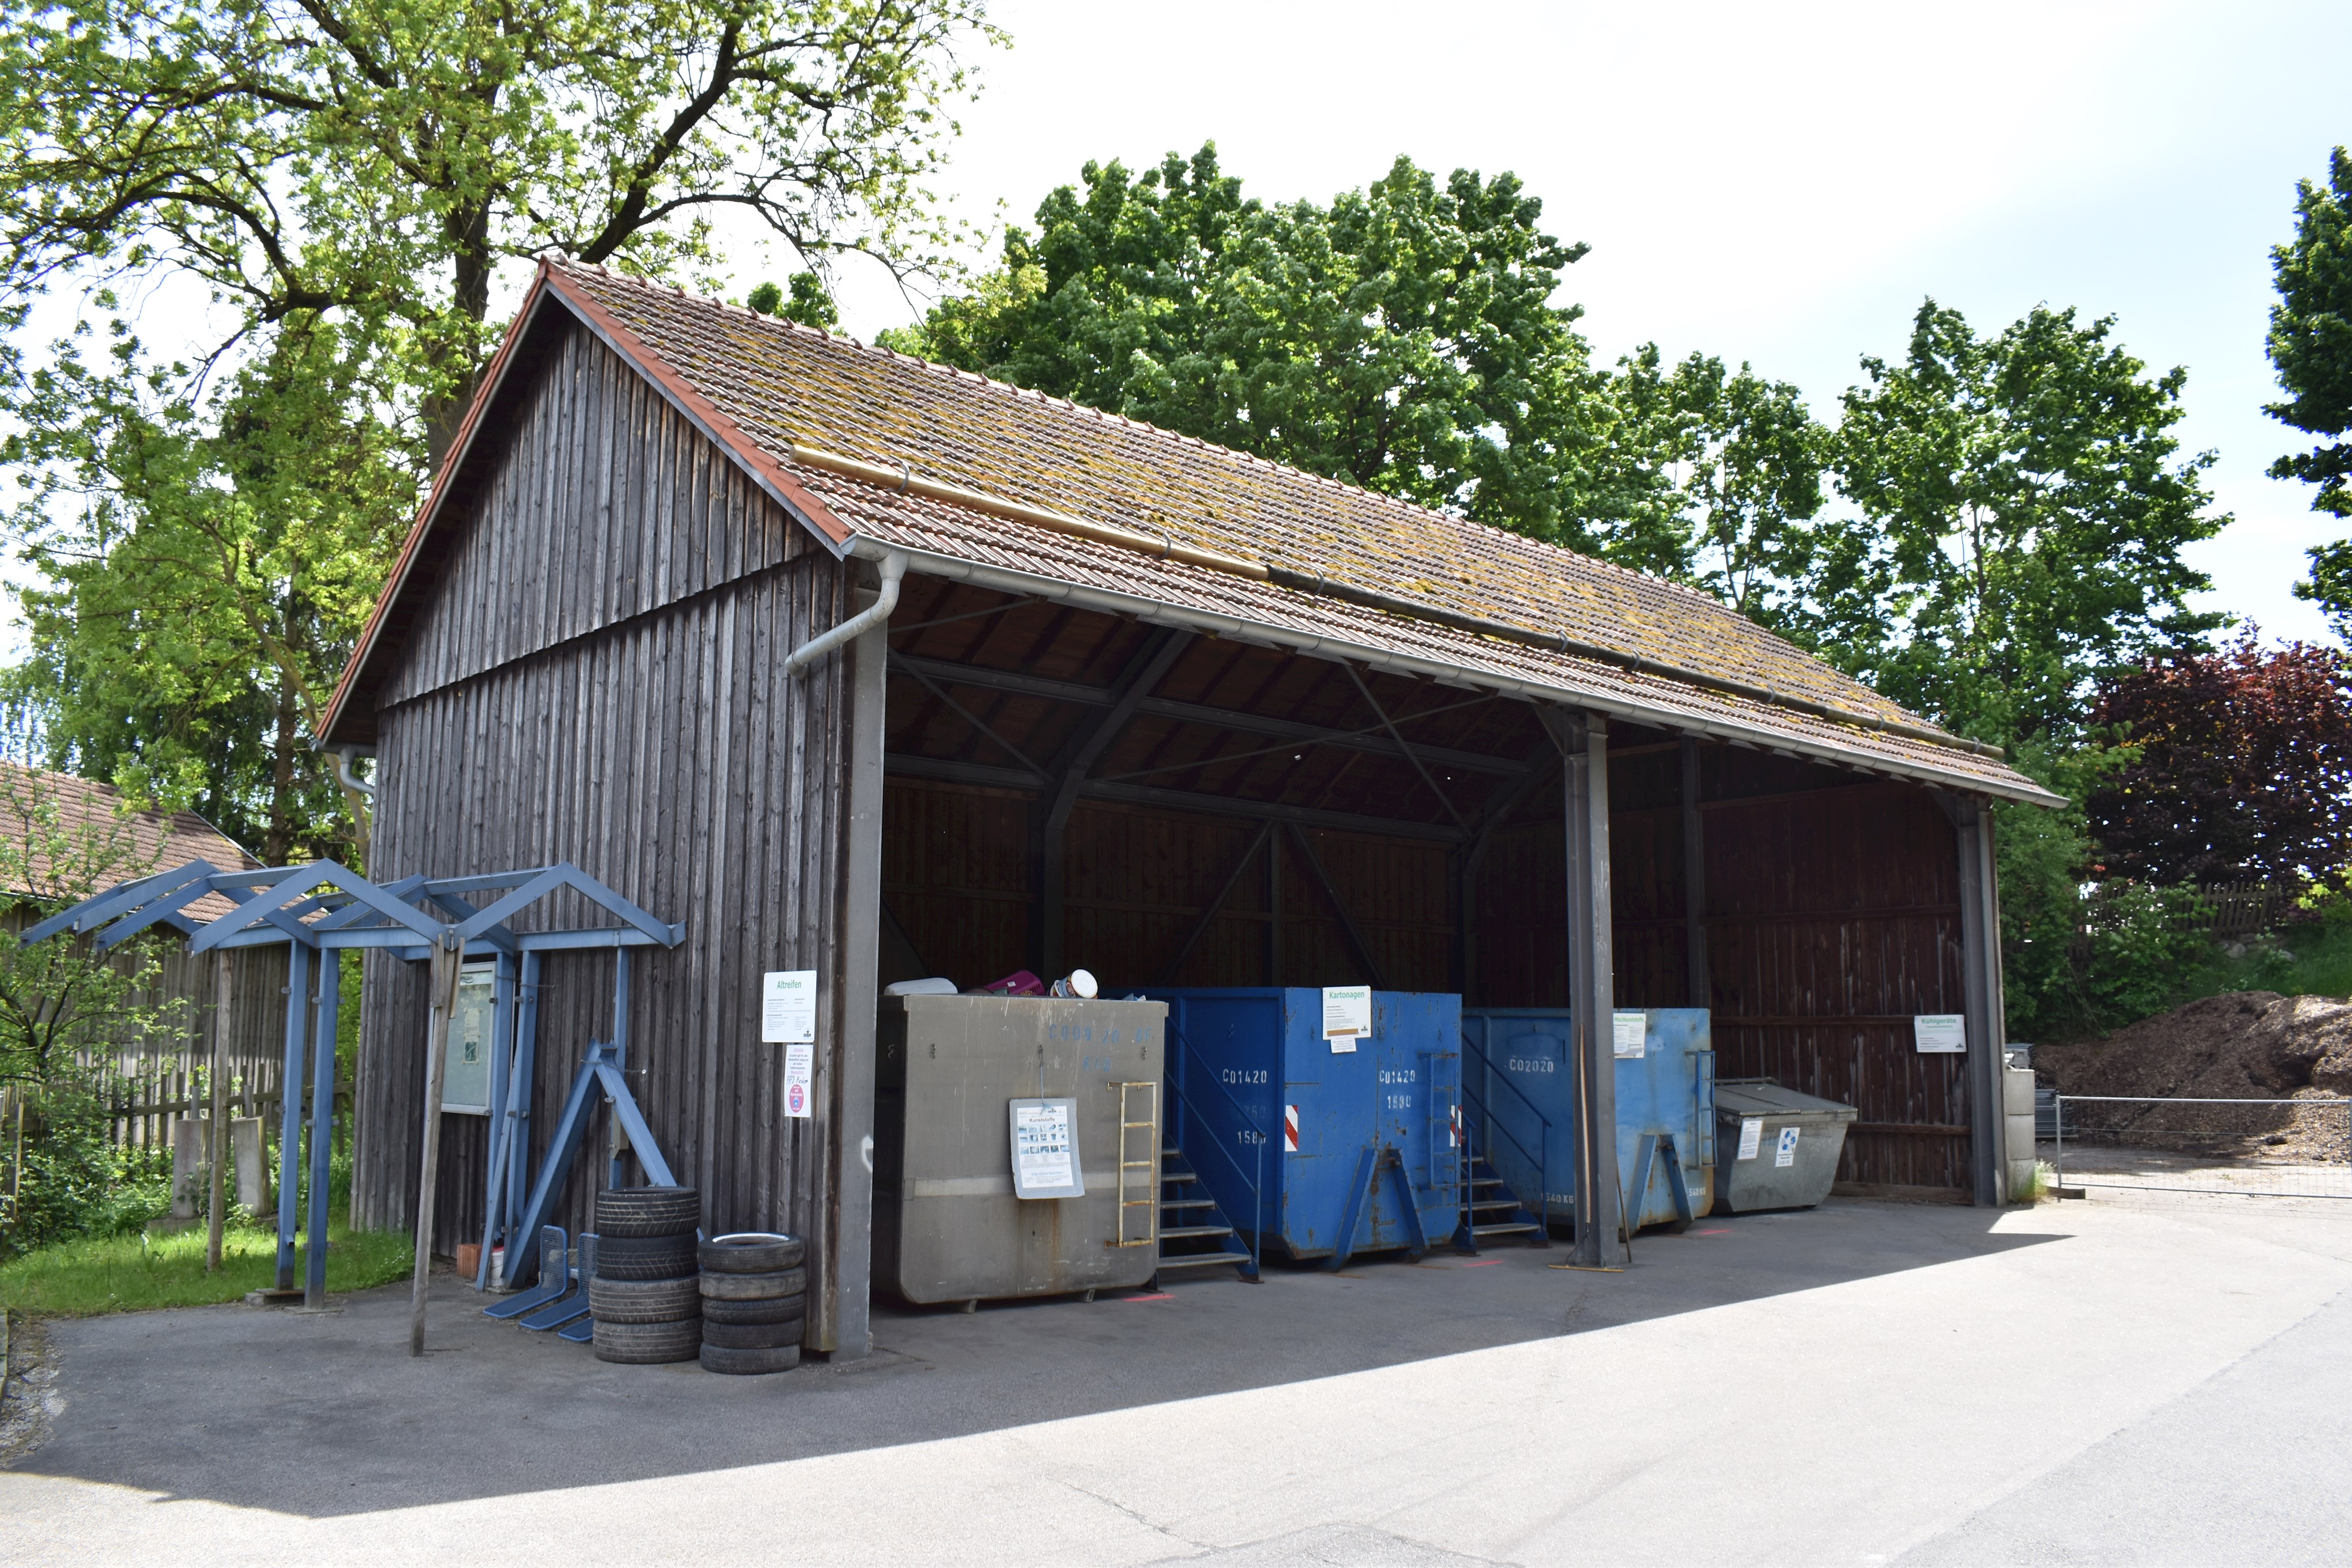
{"type": "Point", "coordinates": [1832, 916]}
{"type": "Point", "coordinates": [598, 680]}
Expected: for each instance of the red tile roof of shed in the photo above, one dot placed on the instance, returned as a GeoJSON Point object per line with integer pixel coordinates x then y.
{"type": "Point", "coordinates": [123, 843]}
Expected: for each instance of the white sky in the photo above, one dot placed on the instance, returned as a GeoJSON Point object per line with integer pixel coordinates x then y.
{"type": "Point", "coordinates": [1775, 183]}
{"type": "Point", "coordinates": [1779, 184]}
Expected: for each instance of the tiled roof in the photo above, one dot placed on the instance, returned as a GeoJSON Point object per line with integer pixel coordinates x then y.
{"type": "Point", "coordinates": [772, 384]}
{"type": "Point", "coordinates": [120, 844]}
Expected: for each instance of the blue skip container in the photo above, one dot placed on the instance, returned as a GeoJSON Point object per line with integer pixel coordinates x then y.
{"type": "Point", "coordinates": [1521, 1100]}
{"type": "Point", "coordinates": [1320, 1153]}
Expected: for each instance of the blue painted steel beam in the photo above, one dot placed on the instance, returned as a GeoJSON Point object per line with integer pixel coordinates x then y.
{"type": "Point", "coordinates": [563, 1144]}
{"type": "Point", "coordinates": [322, 1125]}
{"type": "Point", "coordinates": [166, 906]}
{"type": "Point", "coordinates": [101, 907]}
{"type": "Point", "coordinates": [501, 1055]}
{"type": "Point", "coordinates": [289, 1111]}
{"type": "Point", "coordinates": [548, 1236]}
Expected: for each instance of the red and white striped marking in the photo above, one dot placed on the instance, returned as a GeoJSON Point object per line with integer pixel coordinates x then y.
{"type": "Point", "coordinates": [1453, 1129]}
{"type": "Point", "coordinates": [1290, 1129]}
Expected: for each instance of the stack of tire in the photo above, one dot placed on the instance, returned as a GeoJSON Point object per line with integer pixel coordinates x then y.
{"type": "Point", "coordinates": [644, 1302]}
{"type": "Point", "coordinates": [754, 1303]}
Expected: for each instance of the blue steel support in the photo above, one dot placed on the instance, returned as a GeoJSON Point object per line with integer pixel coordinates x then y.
{"type": "Point", "coordinates": [322, 1125]}
{"type": "Point", "coordinates": [550, 1239]}
{"type": "Point", "coordinates": [617, 1175]}
{"type": "Point", "coordinates": [573, 1307]}
{"type": "Point", "coordinates": [494, 1181]}
{"type": "Point", "coordinates": [290, 1112]}
{"type": "Point", "coordinates": [633, 1126]}
{"type": "Point", "coordinates": [521, 1093]}
{"type": "Point", "coordinates": [563, 1144]}
{"type": "Point", "coordinates": [1636, 1196]}
{"type": "Point", "coordinates": [1358, 1199]}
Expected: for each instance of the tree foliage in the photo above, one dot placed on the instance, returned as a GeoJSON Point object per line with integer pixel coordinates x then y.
{"type": "Point", "coordinates": [1403, 338]}
{"type": "Point", "coordinates": [2311, 347]}
{"type": "Point", "coordinates": [326, 191]}
{"type": "Point", "coordinates": [2243, 766]}
{"type": "Point", "coordinates": [2020, 507]}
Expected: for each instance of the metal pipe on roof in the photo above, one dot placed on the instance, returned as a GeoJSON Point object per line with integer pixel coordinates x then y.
{"type": "Point", "coordinates": [904, 480]}
{"type": "Point", "coordinates": [894, 571]}
{"type": "Point", "coordinates": [349, 780]}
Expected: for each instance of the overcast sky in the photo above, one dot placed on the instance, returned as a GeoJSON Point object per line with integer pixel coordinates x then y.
{"type": "Point", "coordinates": [1778, 183]}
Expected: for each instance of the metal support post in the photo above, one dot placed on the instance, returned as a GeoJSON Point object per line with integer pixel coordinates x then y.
{"type": "Point", "coordinates": [1699, 982]}
{"type": "Point", "coordinates": [217, 1157]}
{"type": "Point", "coordinates": [841, 1325]}
{"type": "Point", "coordinates": [322, 1127]}
{"type": "Point", "coordinates": [448, 964]}
{"type": "Point", "coordinates": [1980, 997]}
{"type": "Point", "coordinates": [1584, 748]}
{"type": "Point", "coordinates": [616, 1174]}
{"type": "Point", "coordinates": [289, 1109]}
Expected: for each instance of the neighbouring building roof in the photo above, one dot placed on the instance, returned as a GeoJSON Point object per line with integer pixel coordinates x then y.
{"type": "Point", "coordinates": [120, 844]}
{"type": "Point", "coordinates": [1629, 642]}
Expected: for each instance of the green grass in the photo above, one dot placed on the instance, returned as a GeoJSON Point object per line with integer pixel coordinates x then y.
{"type": "Point", "coordinates": [2321, 965]}
{"type": "Point", "coordinates": [139, 1273]}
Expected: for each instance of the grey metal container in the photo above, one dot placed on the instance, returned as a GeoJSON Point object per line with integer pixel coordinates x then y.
{"type": "Point", "coordinates": [947, 1226]}
{"type": "Point", "coordinates": [1808, 1133]}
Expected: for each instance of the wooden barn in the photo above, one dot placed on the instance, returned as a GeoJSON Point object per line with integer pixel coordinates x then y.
{"type": "Point", "coordinates": [857, 664]}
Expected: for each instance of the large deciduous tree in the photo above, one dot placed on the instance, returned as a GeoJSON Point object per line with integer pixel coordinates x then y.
{"type": "Point", "coordinates": [2020, 509]}
{"type": "Point", "coordinates": [1403, 337]}
{"type": "Point", "coordinates": [324, 191]}
{"type": "Point", "coordinates": [2243, 765]}
{"type": "Point", "coordinates": [2311, 347]}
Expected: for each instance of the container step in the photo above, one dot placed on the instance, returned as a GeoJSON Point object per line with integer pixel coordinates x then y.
{"type": "Point", "coordinates": [1185, 1232]}
{"type": "Point", "coordinates": [1188, 1203]}
{"type": "Point", "coordinates": [1173, 1178]}
{"type": "Point", "coordinates": [1518, 1227]}
{"type": "Point", "coordinates": [1201, 1260]}
{"type": "Point", "coordinates": [1506, 1204]}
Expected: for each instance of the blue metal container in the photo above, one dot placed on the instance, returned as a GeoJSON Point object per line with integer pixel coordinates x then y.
{"type": "Point", "coordinates": [1521, 1100]}
{"type": "Point", "coordinates": [1315, 1152]}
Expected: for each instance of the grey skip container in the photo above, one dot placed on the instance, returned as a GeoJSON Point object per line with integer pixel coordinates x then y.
{"type": "Point", "coordinates": [1809, 1131]}
{"type": "Point", "coordinates": [947, 1226]}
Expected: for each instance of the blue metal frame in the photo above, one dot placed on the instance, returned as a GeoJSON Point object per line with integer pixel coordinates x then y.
{"type": "Point", "coordinates": [324, 908]}
{"type": "Point", "coordinates": [514, 1306]}
{"type": "Point", "coordinates": [600, 1071]}
{"type": "Point", "coordinates": [1179, 1058]}
{"type": "Point", "coordinates": [1489, 1124]}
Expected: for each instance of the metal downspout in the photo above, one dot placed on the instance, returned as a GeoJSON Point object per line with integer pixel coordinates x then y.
{"type": "Point", "coordinates": [894, 571]}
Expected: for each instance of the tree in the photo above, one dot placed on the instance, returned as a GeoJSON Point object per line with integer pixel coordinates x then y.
{"type": "Point", "coordinates": [1712, 477]}
{"type": "Point", "coordinates": [1403, 339]}
{"type": "Point", "coordinates": [2243, 765]}
{"type": "Point", "coordinates": [337, 182]}
{"type": "Point", "coordinates": [2311, 347]}
{"type": "Point", "coordinates": [2020, 513]}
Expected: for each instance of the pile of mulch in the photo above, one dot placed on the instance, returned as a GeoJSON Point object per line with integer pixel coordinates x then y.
{"type": "Point", "coordinates": [2245, 1045]}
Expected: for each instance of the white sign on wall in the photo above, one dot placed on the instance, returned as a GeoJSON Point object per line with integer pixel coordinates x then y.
{"type": "Point", "coordinates": [788, 1006]}
{"type": "Point", "coordinates": [1632, 1034]}
{"type": "Point", "coordinates": [1751, 1134]}
{"type": "Point", "coordinates": [1946, 1033]}
{"type": "Point", "coordinates": [1347, 1016]}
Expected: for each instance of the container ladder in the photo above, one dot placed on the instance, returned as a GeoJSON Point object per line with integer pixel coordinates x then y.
{"type": "Point", "coordinates": [1194, 1231]}
{"type": "Point", "coordinates": [1138, 1179]}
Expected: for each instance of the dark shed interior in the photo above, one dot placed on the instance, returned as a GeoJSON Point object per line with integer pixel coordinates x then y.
{"type": "Point", "coordinates": [1071, 788]}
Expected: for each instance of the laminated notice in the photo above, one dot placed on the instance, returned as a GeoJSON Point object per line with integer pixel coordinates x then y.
{"type": "Point", "coordinates": [788, 1006]}
{"type": "Point", "coordinates": [1751, 1134]}
{"type": "Point", "coordinates": [1786, 1154]}
{"type": "Point", "coordinates": [1347, 1016]}
{"type": "Point", "coordinates": [800, 1074]}
{"type": "Point", "coordinates": [1944, 1033]}
{"type": "Point", "coordinates": [1045, 1149]}
{"type": "Point", "coordinates": [1631, 1031]}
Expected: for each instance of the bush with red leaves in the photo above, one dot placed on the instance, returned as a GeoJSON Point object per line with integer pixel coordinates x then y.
{"type": "Point", "coordinates": [2245, 766]}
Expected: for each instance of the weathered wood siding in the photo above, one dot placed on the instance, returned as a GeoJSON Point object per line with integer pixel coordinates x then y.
{"type": "Point", "coordinates": [597, 680]}
{"type": "Point", "coordinates": [1832, 916]}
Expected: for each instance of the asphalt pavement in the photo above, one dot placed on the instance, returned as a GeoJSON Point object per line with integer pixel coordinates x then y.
{"type": "Point", "coordinates": [2107, 1381]}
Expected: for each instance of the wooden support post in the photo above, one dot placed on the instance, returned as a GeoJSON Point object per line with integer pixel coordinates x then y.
{"type": "Point", "coordinates": [1583, 741]}
{"type": "Point", "coordinates": [840, 1322]}
{"type": "Point", "coordinates": [1699, 987]}
{"type": "Point", "coordinates": [448, 964]}
{"type": "Point", "coordinates": [290, 1110]}
{"type": "Point", "coordinates": [216, 1157]}
{"type": "Point", "coordinates": [1980, 998]}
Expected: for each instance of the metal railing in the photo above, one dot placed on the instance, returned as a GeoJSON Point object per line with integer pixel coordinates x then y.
{"type": "Point", "coordinates": [1493, 1125]}
{"type": "Point", "coordinates": [1180, 1058]}
{"type": "Point", "coordinates": [2257, 1149]}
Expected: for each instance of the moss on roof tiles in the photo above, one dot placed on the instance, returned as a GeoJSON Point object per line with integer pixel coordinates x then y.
{"type": "Point", "coordinates": [785, 382]}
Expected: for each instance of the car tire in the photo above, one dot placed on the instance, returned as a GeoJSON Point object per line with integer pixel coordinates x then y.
{"type": "Point", "coordinates": [766, 1310]}
{"type": "Point", "coordinates": [719, 1358]}
{"type": "Point", "coordinates": [644, 1257]}
{"type": "Point", "coordinates": [752, 1252]}
{"type": "Point", "coordinates": [754, 1336]}
{"type": "Point", "coordinates": [638, 1211]}
{"type": "Point", "coordinates": [644, 1300]}
{"type": "Point", "coordinates": [647, 1344]}
{"type": "Point", "coordinates": [754, 1287]}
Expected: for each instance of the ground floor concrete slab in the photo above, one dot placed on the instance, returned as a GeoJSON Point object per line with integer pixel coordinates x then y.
{"type": "Point", "coordinates": [1864, 1383]}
